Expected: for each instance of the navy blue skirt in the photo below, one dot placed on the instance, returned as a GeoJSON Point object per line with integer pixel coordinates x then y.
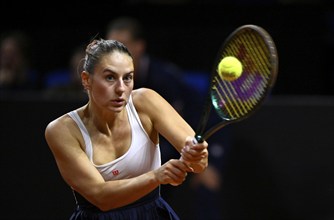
{"type": "Point", "coordinates": [152, 206]}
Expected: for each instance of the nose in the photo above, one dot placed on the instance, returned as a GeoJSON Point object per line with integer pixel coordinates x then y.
{"type": "Point", "coordinates": [120, 86]}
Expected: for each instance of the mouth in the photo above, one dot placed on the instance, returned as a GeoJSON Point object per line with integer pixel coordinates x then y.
{"type": "Point", "coordinates": [118, 102]}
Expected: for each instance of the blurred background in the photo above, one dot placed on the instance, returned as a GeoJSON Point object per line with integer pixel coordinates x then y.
{"type": "Point", "coordinates": [278, 164]}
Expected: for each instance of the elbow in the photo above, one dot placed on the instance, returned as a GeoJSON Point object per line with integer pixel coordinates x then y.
{"type": "Point", "coordinates": [97, 198]}
{"type": "Point", "coordinates": [102, 202]}
{"type": "Point", "coordinates": [103, 206]}
{"type": "Point", "coordinates": [106, 204]}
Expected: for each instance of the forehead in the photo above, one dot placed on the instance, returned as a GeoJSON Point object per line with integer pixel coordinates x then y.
{"type": "Point", "coordinates": [115, 57]}
{"type": "Point", "coordinates": [116, 60]}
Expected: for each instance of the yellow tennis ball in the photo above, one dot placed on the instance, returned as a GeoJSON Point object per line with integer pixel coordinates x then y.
{"type": "Point", "coordinates": [229, 68]}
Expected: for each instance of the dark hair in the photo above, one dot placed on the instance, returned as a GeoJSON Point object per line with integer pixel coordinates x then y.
{"type": "Point", "coordinates": [132, 25]}
{"type": "Point", "coordinates": [98, 48]}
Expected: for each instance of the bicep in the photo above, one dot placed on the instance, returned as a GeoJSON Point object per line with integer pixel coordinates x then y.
{"type": "Point", "coordinates": [72, 162]}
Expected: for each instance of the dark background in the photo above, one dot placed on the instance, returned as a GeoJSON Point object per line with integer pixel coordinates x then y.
{"type": "Point", "coordinates": [280, 162]}
{"type": "Point", "coordinates": [188, 33]}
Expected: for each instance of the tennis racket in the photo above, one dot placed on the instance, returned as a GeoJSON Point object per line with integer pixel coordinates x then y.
{"type": "Point", "coordinates": [236, 100]}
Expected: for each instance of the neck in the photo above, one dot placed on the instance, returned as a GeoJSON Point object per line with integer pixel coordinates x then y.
{"type": "Point", "coordinates": [102, 120]}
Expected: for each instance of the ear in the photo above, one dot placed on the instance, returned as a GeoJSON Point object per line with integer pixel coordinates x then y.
{"type": "Point", "coordinates": [85, 80]}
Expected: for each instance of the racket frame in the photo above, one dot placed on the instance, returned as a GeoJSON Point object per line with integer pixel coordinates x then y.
{"type": "Point", "coordinates": [200, 134]}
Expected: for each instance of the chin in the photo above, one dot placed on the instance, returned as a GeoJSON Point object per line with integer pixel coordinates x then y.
{"type": "Point", "coordinates": [116, 109]}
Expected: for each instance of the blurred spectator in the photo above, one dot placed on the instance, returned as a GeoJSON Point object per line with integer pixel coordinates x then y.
{"type": "Point", "coordinates": [15, 63]}
{"type": "Point", "coordinates": [66, 83]}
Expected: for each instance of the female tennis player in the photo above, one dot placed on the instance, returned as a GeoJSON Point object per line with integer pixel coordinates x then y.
{"type": "Point", "coordinates": [108, 151]}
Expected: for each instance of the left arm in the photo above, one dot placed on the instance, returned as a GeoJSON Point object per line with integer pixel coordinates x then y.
{"type": "Point", "coordinates": [158, 115]}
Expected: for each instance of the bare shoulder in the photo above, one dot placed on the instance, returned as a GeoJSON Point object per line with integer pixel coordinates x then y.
{"type": "Point", "coordinates": [151, 104]}
{"type": "Point", "coordinates": [59, 125]}
{"type": "Point", "coordinates": [60, 131]}
{"type": "Point", "coordinates": [143, 93]}
{"type": "Point", "coordinates": [145, 99]}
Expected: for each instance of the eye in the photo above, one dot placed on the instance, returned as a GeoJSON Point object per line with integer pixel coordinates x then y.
{"type": "Point", "coordinates": [128, 78]}
{"type": "Point", "coordinates": [110, 78]}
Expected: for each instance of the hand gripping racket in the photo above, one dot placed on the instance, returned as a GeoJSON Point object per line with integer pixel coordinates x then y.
{"type": "Point", "coordinates": [236, 100]}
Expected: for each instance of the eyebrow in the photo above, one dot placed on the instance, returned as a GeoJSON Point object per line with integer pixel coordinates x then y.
{"type": "Point", "coordinates": [115, 73]}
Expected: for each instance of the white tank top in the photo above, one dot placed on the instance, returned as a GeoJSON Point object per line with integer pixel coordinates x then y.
{"type": "Point", "coordinates": [142, 156]}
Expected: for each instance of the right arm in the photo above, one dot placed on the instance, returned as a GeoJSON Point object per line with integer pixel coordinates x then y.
{"type": "Point", "coordinates": [63, 138]}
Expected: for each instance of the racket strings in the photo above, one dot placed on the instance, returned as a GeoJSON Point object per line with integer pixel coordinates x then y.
{"type": "Point", "coordinates": [241, 50]}
{"type": "Point", "coordinates": [237, 98]}
{"type": "Point", "coordinates": [234, 107]}
{"type": "Point", "coordinates": [225, 100]}
{"type": "Point", "coordinates": [243, 107]}
{"type": "Point", "coordinates": [259, 52]}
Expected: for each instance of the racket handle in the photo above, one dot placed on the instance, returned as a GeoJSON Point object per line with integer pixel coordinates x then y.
{"type": "Point", "coordinates": [198, 139]}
